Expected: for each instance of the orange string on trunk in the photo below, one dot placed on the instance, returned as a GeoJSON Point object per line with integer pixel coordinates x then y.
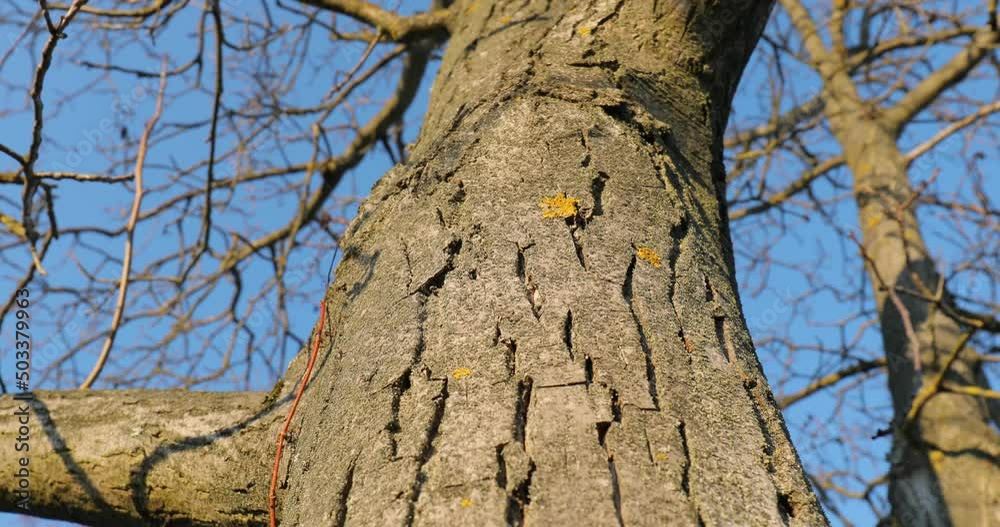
{"type": "Point", "coordinates": [272, 495]}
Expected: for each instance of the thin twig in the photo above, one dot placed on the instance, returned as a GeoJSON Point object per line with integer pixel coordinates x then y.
{"type": "Point", "coordinates": [30, 180]}
{"type": "Point", "coordinates": [129, 234]}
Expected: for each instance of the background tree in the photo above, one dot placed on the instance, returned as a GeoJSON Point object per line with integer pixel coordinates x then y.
{"type": "Point", "coordinates": [890, 87]}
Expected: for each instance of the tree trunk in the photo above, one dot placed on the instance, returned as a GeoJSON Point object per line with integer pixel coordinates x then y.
{"type": "Point", "coordinates": [536, 317]}
{"type": "Point", "coordinates": [944, 461]}
{"type": "Point", "coordinates": [944, 466]}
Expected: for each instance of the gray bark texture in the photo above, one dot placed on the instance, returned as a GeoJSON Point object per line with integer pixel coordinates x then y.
{"type": "Point", "coordinates": [536, 319]}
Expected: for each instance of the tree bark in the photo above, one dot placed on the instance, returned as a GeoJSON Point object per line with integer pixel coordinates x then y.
{"type": "Point", "coordinates": [536, 319]}
{"type": "Point", "coordinates": [136, 458]}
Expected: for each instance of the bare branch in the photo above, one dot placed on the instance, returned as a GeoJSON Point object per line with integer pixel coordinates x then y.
{"type": "Point", "coordinates": [397, 28]}
{"type": "Point", "coordinates": [116, 319]}
{"type": "Point", "coordinates": [924, 93]}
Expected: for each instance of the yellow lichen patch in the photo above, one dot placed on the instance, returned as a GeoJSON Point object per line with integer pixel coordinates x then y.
{"type": "Point", "coordinates": [505, 20]}
{"type": "Point", "coordinates": [936, 457]}
{"type": "Point", "coordinates": [466, 502]}
{"type": "Point", "coordinates": [661, 456]}
{"type": "Point", "coordinates": [650, 256]}
{"type": "Point", "coordinates": [461, 373]}
{"type": "Point", "coordinates": [585, 30]}
{"type": "Point", "coordinates": [559, 206]}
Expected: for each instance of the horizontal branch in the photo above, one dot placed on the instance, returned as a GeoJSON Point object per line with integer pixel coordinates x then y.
{"type": "Point", "coordinates": [778, 125]}
{"type": "Point", "coordinates": [396, 27]}
{"type": "Point", "coordinates": [790, 190]}
{"type": "Point", "coordinates": [831, 379]}
{"type": "Point", "coordinates": [137, 457]}
{"type": "Point", "coordinates": [975, 391]}
{"type": "Point", "coordinates": [950, 130]}
{"type": "Point", "coordinates": [142, 12]}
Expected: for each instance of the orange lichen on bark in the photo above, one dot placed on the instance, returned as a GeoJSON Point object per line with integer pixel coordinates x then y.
{"type": "Point", "coordinates": [650, 256]}
{"type": "Point", "coordinates": [559, 206]}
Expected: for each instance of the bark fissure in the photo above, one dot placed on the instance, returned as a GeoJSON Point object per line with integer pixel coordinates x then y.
{"type": "Point", "coordinates": [345, 495]}
{"type": "Point", "coordinates": [576, 225]}
{"type": "Point", "coordinates": [603, 427]}
{"type": "Point", "coordinates": [427, 448]}
{"type": "Point", "coordinates": [531, 292]}
{"type": "Point", "coordinates": [568, 333]}
{"type": "Point", "coordinates": [615, 489]}
{"type": "Point", "coordinates": [597, 184]}
{"type": "Point", "coordinates": [616, 492]}
{"type": "Point", "coordinates": [686, 467]}
{"type": "Point", "coordinates": [678, 233]}
{"type": "Point", "coordinates": [436, 281]}
{"type": "Point", "coordinates": [510, 356]}
{"type": "Point", "coordinates": [501, 477]}
{"type": "Point", "coordinates": [643, 341]}
{"type": "Point", "coordinates": [616, 407]}
{"type": "Point", "coordinates": [519, 497]}
{"type": "Point", "coordinates": [399, 389]}
{"type": "Point", "coordinates": [524, 388]}
{"type": "Point", "coordinates": [764, 430]}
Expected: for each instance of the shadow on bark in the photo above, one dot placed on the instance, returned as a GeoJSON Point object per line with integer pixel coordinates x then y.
{"type": "Point", "coordinates": [138, 477]}
{"type": "Point", "coordinates": [59, 447]}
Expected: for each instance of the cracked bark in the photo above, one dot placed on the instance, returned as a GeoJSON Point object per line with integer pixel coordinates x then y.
{"type": "Point", "coordinates": [452, 303]}
{"type": "Point", "coordinates": [571, 395]}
